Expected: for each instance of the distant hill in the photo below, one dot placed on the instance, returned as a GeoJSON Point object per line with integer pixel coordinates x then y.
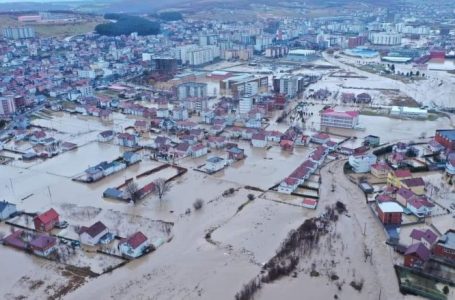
{"type": "Point", "coordinates": [141, 6]}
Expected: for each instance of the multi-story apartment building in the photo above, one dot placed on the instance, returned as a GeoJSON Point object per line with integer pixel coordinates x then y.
{"type": "Point", "coordinates": [340, 119]}
{"type": "Point", "coordinates": [16, 33]}
{"type": "Point", "coordinates": [385, 38]}
{"type": "Point", "coordinates": [191, 90]}
{"type": "Point", "coordinates": [7, 106]}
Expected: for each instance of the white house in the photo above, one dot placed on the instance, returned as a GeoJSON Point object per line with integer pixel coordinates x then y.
{"type": "Point", "coordinates": [6, 209]}
{"type": "Point", "coordinates": [259, 140]}
{"type": "Point", "coordinates": [198, 150]}
{"type": "Point", "coordinates": [106, 136]}
{"type": "Point", "coordinates": [362, 163]}
{"type": "Point", "coordinates": [420, 206]}
{"type": "Point", "coordinates": [131, 157]}
{"type": "Point", "coordinates": [92, 235]}
{"type": "Point", "coordinates": [288, 186]}
{"type": "Point", "coordinates": [134, 245]}
{"type": "Point", "coordinates": [214, 164]}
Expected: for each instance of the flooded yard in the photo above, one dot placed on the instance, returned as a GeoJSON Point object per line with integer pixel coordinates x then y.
{"type": "Point", "coordinates": [71, 163]}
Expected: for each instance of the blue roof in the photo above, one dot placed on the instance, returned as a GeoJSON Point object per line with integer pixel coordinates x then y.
{"type": "Point", "coordinates": [4, 204]}
{"type": "Point", "coordinates": [128, 155]}
{"type": "Point", "coordinates": [236, 150]}
{"type": "Point", "coordinates": [112, 192]}
{"type": "Point", "coordinates": [447, 133]}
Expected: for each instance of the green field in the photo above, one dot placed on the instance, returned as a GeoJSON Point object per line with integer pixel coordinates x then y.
{"type": "Point", "coordinates": [55, 30]}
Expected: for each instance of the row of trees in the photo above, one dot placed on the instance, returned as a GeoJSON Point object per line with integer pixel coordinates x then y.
{"type": "Point", "coordinates": [126, 25]}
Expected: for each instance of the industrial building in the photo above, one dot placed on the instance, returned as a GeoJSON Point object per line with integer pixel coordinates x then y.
{"type": "Point", "coordinates": [408, 112]}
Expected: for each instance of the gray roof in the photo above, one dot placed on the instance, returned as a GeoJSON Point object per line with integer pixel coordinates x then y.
{"type": "Point", "coordinates": [215, 159]}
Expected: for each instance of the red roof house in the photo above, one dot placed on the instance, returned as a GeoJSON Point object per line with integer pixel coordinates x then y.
{"type": "Point", "coordinates": [46, 221]}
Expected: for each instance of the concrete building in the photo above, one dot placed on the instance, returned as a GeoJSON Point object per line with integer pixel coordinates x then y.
{"type": "Point", "coordinates": [445, 137]}
{"type": "Point", "coordinates": [385, 38]}
{"type": "Point", "coordinates": [409, 112]}
{"type": "Point", "coordinates": [7, 106]}
{"type": "Point", "coordinates": [16, 33]}
{"type": "Point", "coordinates": [445, 247]}
{"type": "Point", "coordinates": [276, 51]}
{"type": "Point", "coordinates": [214, 164]}
{"type": "Point", "coordinates": [287, 85]}
{"type": "Point", "coordinates": [245, 105]}
{"type": "Point", "coordinates": [243, 85]}
{"type": "Point", "coordinates": [191, 89]}
{"type": "Point", "coordinates": [362, 163]}
{"type": "Point", "coordinates": [194, 55]}
{"type": "Point", "coordinates": [301, 55]}
{"type": "Point", "coordinates": [339, 119]}
{"type": "Point", "coordinates": [389, 213]}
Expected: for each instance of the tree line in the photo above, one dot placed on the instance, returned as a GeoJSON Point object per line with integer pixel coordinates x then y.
{"type": "Point", "coordinates": [126, 24]}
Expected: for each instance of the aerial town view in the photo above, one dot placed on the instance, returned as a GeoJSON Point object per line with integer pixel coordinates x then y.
{"type": "Point", "coordinates": [239, 149]}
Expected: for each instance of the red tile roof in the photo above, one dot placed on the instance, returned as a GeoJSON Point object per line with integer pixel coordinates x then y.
{"type": "Point", "coordinates": [135, 240]}
{"type": "Point", "coordinates": [93, 230]}
{"type": "Point", "coordinates": [402, 173]}
{"type": "Point", "coordinates": [47, 216]}
{"type": "Point", "coordinates": [413, 182]}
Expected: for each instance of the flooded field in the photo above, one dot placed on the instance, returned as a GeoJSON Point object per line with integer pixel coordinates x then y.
{"type": "Point", "coordinates": [71, 163]}
{"type": "Point", "coordinates": [212, 251]}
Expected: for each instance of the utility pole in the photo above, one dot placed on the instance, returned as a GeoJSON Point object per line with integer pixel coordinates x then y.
{"type": "Point", "coordinates": [12, 187]}
{"type": "Point", "coordinates": [50, 194]}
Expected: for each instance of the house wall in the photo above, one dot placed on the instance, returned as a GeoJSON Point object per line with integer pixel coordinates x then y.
{"type": "Point", "coordinates": [393, 181]}
{"type": "Point", "coordinates": [286, 189]}
{"type": "Point", "coordinates": [44, 252]}
{"type": "Point", "coordinates": [44, 227]}
{"type": "Point", "coordinates": [389, 218]}
{"type": "Point", "coordinates": [128, 251]}
{"type": "Point", "coordinates": [379, 173]}
{"type": "Point", "coordinates": [259, 143]}
{"type": "Point", "coordinates": [418, 190]}
{"type": "Point", "coordinates": [449, 144]}
{"type": "Point", "coordinates": [423, 210]}
{"type": "Point", "coordinates": [214, 166]}
{"type": "Point", "coordinates": [402, 200]}
{"type": "Point", "coordinates": [411, 260]}
{"type": "Point", "coordinates": [88, 240]}
{"type": "Point", "coordinates": [8, 211]}
{"type": "Point", "coordinates": [439, 250]}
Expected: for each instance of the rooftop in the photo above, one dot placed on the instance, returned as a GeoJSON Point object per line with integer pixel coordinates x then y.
{"type": "Point", "coordinates": [447, 133]}
{"type": "Point", "coordinates": [390, 207]}
{"type": "Point", "coordinates": [448, 240]}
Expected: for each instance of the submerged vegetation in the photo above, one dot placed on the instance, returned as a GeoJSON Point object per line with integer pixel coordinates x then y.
{"type": "Point", "coordinates": [299, 243]}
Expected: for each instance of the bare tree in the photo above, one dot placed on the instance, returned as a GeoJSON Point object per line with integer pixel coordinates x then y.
{"type": "Point", "coordinates": [132, 190]}
{"type": "Point", "coordinates": [161, 187]}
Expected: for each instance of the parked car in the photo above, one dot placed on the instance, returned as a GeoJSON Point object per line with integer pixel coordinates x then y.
{"type": "Point", "coordinates": [61, 224]}
{"type": "Point", "coordinates": [75, 244]}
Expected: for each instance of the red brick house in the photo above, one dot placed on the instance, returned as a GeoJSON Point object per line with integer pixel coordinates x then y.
{"type": "Point", "coordinates": [446, 138]}
{"type": "Point", "coordinates": [389, 213]}
{"type": "Point", "coordinates": [46, 221]}
{"type": "Point", "coordinates": [445, 246]}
